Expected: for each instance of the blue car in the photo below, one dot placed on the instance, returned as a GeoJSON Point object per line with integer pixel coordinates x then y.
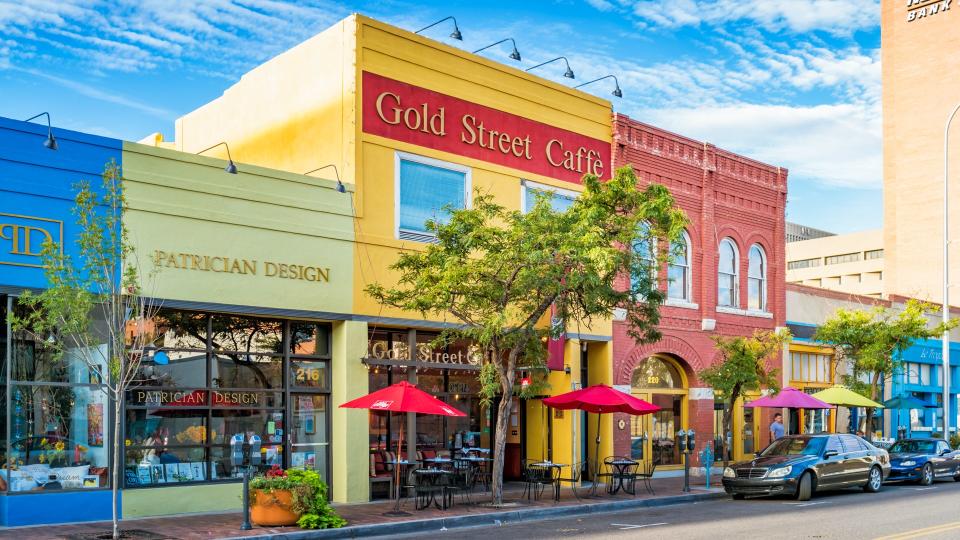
{"type": "Point", "coordinates": [923, 461]}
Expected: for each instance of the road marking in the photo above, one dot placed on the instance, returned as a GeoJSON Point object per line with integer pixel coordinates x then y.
{"type": "Point", "coordinates": [917, 533]}
{"type": "Point", "coordinates": [627, 526]}
{"type": "Point", "coordinates": [923, 489]}
{"type": "Point", "coordinates": [802, 504]}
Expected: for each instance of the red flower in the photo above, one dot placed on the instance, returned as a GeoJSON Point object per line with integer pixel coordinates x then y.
{"type": "Point", "coordinates": [276, 472]}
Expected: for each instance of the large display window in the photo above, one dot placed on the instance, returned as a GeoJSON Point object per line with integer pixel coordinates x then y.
{"type": "Point", "coordinates": [209, 377]}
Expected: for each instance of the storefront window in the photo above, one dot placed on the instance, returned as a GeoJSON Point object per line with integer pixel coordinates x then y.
{"type": "Point", "coordinates": [57, 416]}
{"type": "Point", "coordinates": [656, 373]}
{"type": "Point", "coordinates": [215, 376]}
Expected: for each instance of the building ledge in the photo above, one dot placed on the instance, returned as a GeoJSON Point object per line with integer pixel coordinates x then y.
{"type": "Point", "coordinates": [673, 302]}
{"type": "Point", "coordinates": [745, 312]}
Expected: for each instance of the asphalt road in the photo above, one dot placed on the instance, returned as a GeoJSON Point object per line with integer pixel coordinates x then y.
{"type": "Point", "coordinates": [897, 512]}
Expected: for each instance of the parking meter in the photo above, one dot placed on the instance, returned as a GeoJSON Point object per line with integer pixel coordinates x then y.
{"type": "Point", "coordinates": [706, 459]}
{"type": "Point", "coordinates": [236, 450]}
{"type": "Point", "coordinates": [691, 440]}
{"type": "Point", "coordinates": [255, 458]}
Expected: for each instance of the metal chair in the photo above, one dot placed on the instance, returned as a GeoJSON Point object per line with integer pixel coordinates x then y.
{"type": "Point", "coordinates": [576, 472]}
{"type": "Point", "coordinates": [649, 467]}
{"type": "Point", "coordinates": [534, 478]}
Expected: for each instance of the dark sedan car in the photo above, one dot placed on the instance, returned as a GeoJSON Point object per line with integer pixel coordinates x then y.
{"type": "Point", "coordinates": [923, 461]}
{"type": "Point", "coordinates": [800, 465]}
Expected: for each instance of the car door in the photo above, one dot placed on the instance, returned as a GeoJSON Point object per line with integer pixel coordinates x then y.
{"type": "Point", "coordinates": [857, 460]}
{"type": "Point", "coordinates": [943, 462]}
{"type": "Point", "coordinates": [832, 468]}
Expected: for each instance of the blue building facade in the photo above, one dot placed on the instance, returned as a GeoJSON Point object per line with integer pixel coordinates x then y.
{"type": "Point", "coordinates": [920, 375]}
{"type": "Point", "coordinates": [55, 423]}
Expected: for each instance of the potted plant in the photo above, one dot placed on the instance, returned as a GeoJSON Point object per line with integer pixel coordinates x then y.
{"type": "Point", "coordinates": [294, 496]}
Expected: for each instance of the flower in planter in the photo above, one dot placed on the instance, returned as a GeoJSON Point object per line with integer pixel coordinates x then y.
{"type": "Point", "coordinates": [309, 496]}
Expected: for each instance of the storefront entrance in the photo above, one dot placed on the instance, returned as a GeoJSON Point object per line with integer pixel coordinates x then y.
{"type": "Point", "coordinates": [659, 380]}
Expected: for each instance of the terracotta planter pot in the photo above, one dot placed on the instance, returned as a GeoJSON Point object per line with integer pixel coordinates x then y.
{"type": "Point", "coordinates": [272, 509]}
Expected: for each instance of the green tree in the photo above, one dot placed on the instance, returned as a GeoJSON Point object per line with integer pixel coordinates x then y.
{"type": "Point", "coordinates": [872, 342]}
{"type": "Point", "coordinates": [499, 271]}
{"type": "Point", "coordinates": [745, 367]}
{"type": "Point", "coordinates": [93, 305]}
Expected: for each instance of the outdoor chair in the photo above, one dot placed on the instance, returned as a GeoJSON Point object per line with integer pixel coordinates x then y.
{"type": "Point", "coordinates": [649, 467]}
{"type": "Point", "coordinates": [576, 472]}
{"type": "Point", "coordinates": [534, 478]}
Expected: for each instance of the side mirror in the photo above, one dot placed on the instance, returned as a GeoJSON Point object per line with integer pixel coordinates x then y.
{"type": "Point", "coordinates": [830, 454]}
{"type": "Point", "coordinates": [756, 454]}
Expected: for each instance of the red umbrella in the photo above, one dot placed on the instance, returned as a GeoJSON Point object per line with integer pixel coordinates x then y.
{"type": "Point", "coordinates": [402, 397]}
{"type": "Point", "coordinates": [600, 399]}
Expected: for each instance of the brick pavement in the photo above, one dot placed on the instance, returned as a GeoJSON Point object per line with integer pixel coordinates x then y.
{"type": "Point", "coordinates": [214, 526]}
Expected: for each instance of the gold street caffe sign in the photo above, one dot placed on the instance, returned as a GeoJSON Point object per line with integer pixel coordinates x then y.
{"type": "Point", "coordinates": [921, 9]}
{"type": "Point", "coordinates": [236, 265]}
{"type": "Point", "coordinates": [22, 239]}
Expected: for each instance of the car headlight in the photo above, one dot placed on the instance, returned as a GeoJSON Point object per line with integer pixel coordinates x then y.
{"type": "Point", "coordinates": [908, 463]}
{"type": "Point", "coordinates": [781, 472]}
{"type": "Point", "coordinates": [729, 473]}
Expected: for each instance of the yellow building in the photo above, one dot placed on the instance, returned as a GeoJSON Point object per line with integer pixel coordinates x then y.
{"type": "Point", "coordinates": [852, 263]}
{"type": "Point", "coordinates": [921, 85]}
{"type": "Point", "coordinates": [414, 124]}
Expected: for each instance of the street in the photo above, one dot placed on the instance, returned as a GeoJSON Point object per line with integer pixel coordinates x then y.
{"type": "Point", "coordinates": [898, 512]}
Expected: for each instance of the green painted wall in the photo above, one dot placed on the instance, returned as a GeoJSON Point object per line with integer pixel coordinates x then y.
{"type": "Point", "coordinates": [244, 238]}
{"type": "Point", "coordinates": [182, 500]}
{"type": "Point", "coordinates": [350, 459]}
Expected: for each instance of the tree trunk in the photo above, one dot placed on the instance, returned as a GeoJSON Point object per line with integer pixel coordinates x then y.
{"type": "Point", "coordinates": [499, 447]}
{"type": "Point", "coordinates": [727, 428]}
{"type": "Point", "coordinates": [118, 447]}
{"type": "Point", "coordinates": [867, 429]}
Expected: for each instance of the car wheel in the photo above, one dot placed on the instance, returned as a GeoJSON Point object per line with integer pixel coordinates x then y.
{"type": "Point", "coordinates": [805, 488]}
{"type": "Point", "coordinates": [926, 475]}
{"type": "Point", "coordinates": [737, 496]}
{"type": "Point", "coordinates": [874, 480]}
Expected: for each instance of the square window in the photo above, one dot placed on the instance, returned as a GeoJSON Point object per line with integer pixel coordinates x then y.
{"type": "Point", "coordinates": [427, 189]}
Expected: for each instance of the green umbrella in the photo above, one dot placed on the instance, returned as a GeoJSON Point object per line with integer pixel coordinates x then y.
{"type": "Point", "coordinates": [843, 396]}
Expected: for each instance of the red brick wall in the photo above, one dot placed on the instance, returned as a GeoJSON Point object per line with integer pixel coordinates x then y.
{"type": "Point", "coordinates": [724, 195]}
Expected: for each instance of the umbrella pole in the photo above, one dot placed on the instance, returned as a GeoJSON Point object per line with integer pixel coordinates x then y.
{"type": "Point", "coordinates": [396, 469]}
{"type": "Point", "coordinates": [596, 474]}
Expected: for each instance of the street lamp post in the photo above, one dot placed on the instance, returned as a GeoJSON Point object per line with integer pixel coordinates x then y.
{"type": "Point", "coordinates": [946, 274]}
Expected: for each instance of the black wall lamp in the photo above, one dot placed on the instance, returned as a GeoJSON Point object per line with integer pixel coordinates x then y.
{"type": "Point", "coordinates": [568, 74]}
{"type": "Point", "coordinates": [51, 141]}
{"type": "Point", "coordinates": [340, 187]}
{"type": "Point", "coordinates": [515, 54]}
{"type": "Point", "coordinates": [456, 29]}
{"type": "Point", "coordinates": [231, 167]}
{"type": "Point", "coordinates": [616, 88]}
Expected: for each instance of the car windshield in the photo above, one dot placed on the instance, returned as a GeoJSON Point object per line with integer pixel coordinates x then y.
{"type": "Point", "coordinates": [795, 447]}
{"type": "Point", "coordinates": [913, 447]}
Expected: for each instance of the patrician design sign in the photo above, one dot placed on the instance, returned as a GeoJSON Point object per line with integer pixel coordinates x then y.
{"type": "Point", "coordinates": [22, 238]}
{"type": "Point", "coordinates": [194, 398]}
{"type": "Point", "coordinates": [236, 265]}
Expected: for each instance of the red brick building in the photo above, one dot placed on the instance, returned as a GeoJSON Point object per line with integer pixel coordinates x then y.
{"type": "Point", "coordinates": [730, 282]}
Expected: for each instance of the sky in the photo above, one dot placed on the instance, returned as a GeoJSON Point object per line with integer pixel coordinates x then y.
{"type": "Point", "coordinates": [794, 83]}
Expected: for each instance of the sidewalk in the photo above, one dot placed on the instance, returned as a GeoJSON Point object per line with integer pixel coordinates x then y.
{"type": "Point", "coordinates": [367, 519]}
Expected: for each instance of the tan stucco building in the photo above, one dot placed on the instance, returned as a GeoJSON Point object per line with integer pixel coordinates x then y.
{"type": "Point", "coordinates": [921, 85]}
{"type": "Point", "coordinates": [852, 263]}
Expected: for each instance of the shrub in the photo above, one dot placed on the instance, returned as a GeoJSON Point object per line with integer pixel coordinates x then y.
{"type": "Point", "coordinates": [309, 496]}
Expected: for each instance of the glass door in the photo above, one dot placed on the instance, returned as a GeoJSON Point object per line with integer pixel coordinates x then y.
{"type": "Point", "coordinates": [309, 438]}
{"type": "Point", "coordinates": [748, 440]}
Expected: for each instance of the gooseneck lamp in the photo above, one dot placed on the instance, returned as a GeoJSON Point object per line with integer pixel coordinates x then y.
{"type": "Point", "coordinates": [568, 74]}
{"type": "Point", "coordinates": [515, 54]}
{"type": "Point", "coordinates": [51, 141]}
{"type": "Point", "coordinates": [616, 85]}
{"type": "Point", "coordinates": [231, 167]}
{"type": "Point", "coordinates": [456, 29]}
{"type": "Point", "coordinates": [340, 187]}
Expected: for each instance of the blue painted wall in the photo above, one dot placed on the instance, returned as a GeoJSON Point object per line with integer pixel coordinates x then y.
{"type": "Point", "coordinates": [54, 507]}
{"type": "Point", "coordinates": [36, 193]}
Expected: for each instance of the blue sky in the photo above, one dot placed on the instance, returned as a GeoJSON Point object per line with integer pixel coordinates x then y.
{"type": "Point", "coordinates": [794, 83]}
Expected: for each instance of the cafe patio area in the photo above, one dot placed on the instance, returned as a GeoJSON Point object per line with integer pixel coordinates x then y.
{"type": "Point", "coordinates": [368, 519]}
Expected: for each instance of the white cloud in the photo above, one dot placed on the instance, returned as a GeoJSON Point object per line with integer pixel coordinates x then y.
{"type": "Point", "coordinates": [832, 144]}
{"type": "Point", "coordinates": [832, 16]}
{"type": "Point", "coordinates": [100, 94]}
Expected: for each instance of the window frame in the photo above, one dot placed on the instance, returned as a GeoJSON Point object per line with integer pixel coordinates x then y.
{"type": "Point", "coordinates": [526, 185]}
{"type": "Point", "coordinates": [735, 293]}
{"type": "Point", "coordinates": [399, 157]}
{"type": "Point", "coordinates": [687, 271]}
{"type": "Point", "coordinates": [762, 278]}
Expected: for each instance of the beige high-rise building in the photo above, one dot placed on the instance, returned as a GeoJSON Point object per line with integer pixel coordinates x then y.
{"type": "Point", "coordinates": [852, 263]}
{"type": "Point", "coordinates": [921, 85]}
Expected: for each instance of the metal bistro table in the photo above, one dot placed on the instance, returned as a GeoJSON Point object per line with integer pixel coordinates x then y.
{"type": "Point", "coordinates": [479, 467]}
{"type": "Point", "coordinates": [439, 462]}
{"type": "Point", "coordinates": [554, 470]}
{"type": "Point", "coordinates": [620, 474]}
{"type": "Point", "coordinates": [430, 482]}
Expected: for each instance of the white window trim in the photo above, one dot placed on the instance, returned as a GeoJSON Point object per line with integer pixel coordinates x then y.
{"type": "Point", "coordinates": [688, 274]}
{"type": "Point", "coordinates": [736, 276]}
{"type": "Point", "coordinates": [528, 184]}
{"type": "Point", "coordinates": [676, 302]}
{"type": "Point", "coordinates": [399, 156]}
{"type": "Point", "coordinates": [763, 278]}
{"type": "Point", "coordinates": [745, 312]}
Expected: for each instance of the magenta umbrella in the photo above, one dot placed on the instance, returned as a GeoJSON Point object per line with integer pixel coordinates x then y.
{"type": "Point", "coordinates": [790, 398]}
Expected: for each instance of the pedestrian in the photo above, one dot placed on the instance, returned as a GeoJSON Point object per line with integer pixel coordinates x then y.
{"type": "Point", "coordinates": [776, 427]}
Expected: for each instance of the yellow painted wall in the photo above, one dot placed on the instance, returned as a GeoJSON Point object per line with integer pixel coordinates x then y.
{"type": "Point", "coordinates": [351, 443]}
{"type": "Point", "coordinates": [196, 498]}
{"type": "Point", "coordinates": [921, 85]}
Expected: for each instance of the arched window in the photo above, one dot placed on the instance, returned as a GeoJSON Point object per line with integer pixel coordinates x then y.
{"type": "Point", "coordinates": [727, 274]}
{"type": "Point", "coordinates": [678, 273]}
{"type": "Point", "coordinates": [757, 279]}
{"type": "Point", "coordinates": [644, 273]}
{"type": "Point", "coordinates": [656, 372]}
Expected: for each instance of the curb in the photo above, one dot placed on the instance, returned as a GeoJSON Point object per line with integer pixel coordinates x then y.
{"type": "Point", "coordinates": [492, 518]}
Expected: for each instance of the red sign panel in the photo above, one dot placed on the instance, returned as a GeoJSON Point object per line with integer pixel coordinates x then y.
{"type": "Point", "coordinates": [415, 115]}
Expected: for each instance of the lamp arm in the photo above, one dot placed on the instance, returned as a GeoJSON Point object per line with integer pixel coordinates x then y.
{"type": "Point", "coordinates": [38, 116]}
{"type": "Point", "coordinates": [495, 44]}
{"type": "Point", "coordinates": [436, 23]}
{"type": "Point", "coordinates": [614, 77]}
{"type": "Point", "coordinates": [227, 146]}
{"type": "Point", "coordinates": [564, 58]}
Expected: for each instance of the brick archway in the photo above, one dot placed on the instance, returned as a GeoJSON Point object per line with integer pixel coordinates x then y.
{"type": "Point", "coordinates": [674, 346]}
